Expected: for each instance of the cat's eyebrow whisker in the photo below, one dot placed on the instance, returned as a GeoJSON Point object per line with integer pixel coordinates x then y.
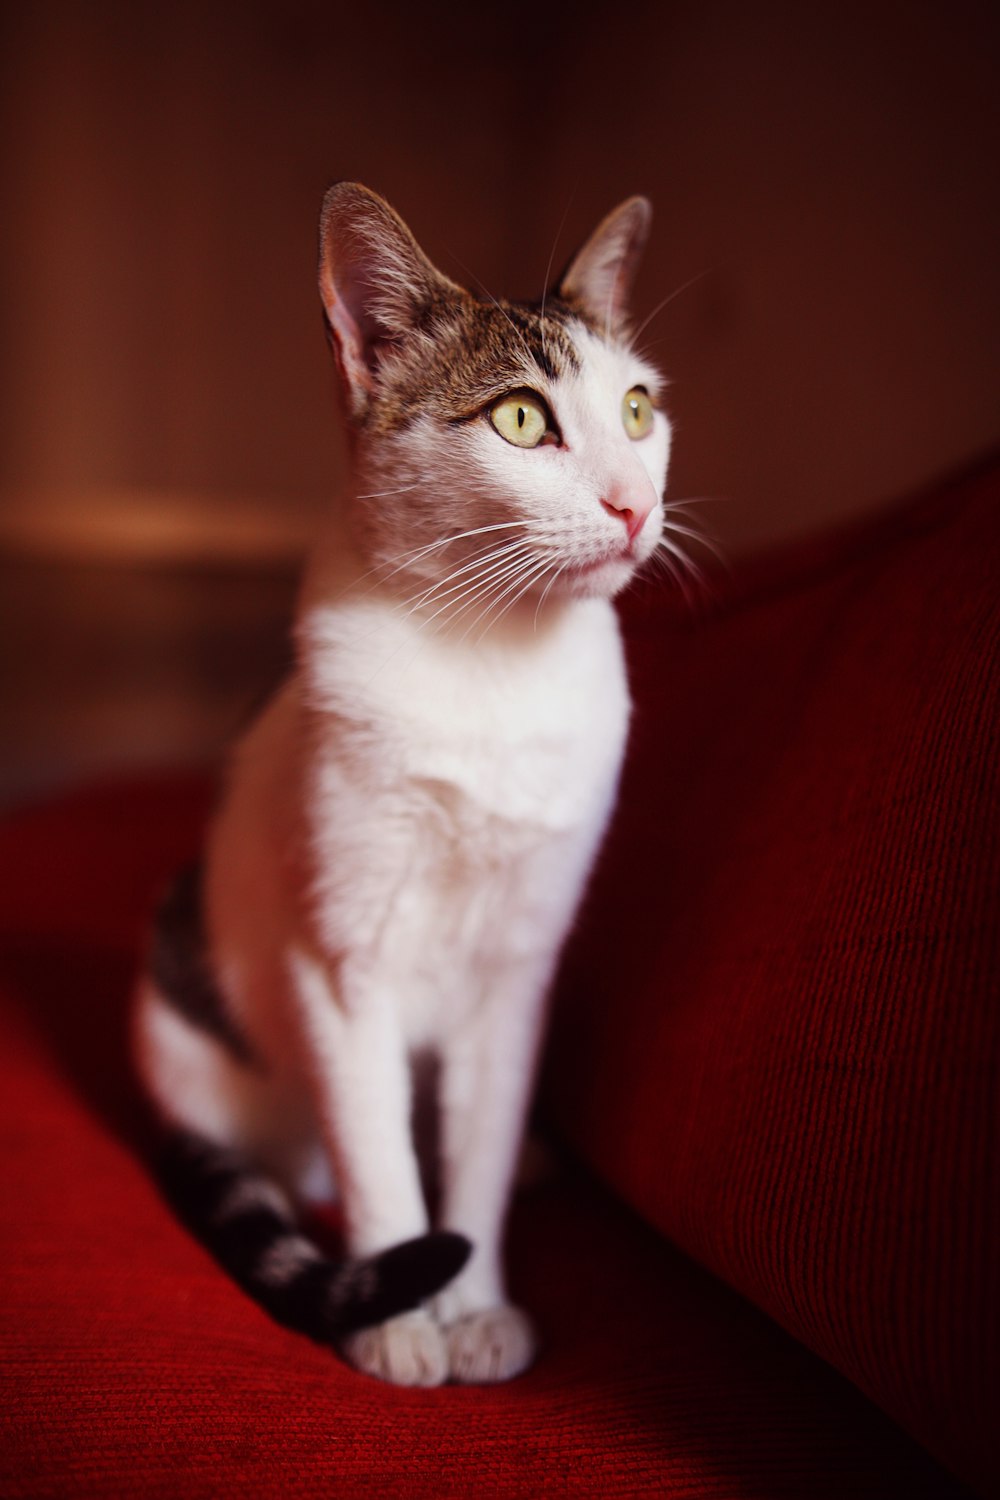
{"type": "Point", "coordinates": [548, 273]}
{"type": "Point", "coordinates": [700, 276]}
{"type": "Point", "coordinates": [611, 304]}
{"type": "Point", "coordinates": [498, 305]}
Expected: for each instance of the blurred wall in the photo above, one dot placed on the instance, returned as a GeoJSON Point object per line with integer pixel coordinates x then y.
{"type": "Point", "coordinates": [827, 218]}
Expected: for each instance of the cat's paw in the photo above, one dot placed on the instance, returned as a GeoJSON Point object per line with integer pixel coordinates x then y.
{"type": "Point", "coordinates": [484, 1347]}
{"type": "Point", "coordinates": [407, 1350]}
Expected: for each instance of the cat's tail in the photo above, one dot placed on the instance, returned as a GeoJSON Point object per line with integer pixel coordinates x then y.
{"type": "Point", "coordinates": [248, 1224]}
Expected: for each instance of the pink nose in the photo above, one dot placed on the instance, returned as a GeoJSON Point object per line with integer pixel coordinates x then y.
{"type": "Point", "coordinates": [631, 509]}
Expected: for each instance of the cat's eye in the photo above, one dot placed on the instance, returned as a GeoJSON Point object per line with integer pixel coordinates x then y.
{"type": "Point", "coordinates": [637, 412]}
{"type": "Point", "coordinates": [522, 419]}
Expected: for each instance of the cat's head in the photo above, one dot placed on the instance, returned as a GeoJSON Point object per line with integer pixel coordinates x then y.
{"type": "Point", "coordinates": [501, 449]}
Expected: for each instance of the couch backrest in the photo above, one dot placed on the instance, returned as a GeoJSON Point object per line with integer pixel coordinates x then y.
{"type": "Point", "coordinates": [778, 1028]}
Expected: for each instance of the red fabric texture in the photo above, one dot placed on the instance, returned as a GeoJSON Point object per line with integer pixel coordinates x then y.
{"type": "Point", "coordinates": [131, 1366]}
{"type": "Point", "coordinates": [776, 1038]}
{"type": "Point", "coordinates": [778, 1035]}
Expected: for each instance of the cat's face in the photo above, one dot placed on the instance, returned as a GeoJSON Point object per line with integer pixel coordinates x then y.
{"type": "Point", "coordinates": [503, 452]}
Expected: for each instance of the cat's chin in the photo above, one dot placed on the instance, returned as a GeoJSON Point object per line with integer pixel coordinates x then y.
{"type": "Point", "coordinates": [602, 580]}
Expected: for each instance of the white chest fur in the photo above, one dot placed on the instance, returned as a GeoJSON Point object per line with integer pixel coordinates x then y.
{"type": "Point", "coordinates": [456, 791]}
{"type": "Point", "coordinates": [518, 724]}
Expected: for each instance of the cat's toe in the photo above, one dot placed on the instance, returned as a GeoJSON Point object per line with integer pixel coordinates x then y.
{"type": "Point", "coordinates": [407, 1350]}
{"type": "Point", "coordinates": [497, 1344]}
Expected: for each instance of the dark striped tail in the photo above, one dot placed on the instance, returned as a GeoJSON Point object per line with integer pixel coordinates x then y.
{"type": "Point", "coordinates": [248, 1224]}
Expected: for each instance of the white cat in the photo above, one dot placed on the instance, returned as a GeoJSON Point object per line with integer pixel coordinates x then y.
{"type": "Point", "coordinates": [407, 828]}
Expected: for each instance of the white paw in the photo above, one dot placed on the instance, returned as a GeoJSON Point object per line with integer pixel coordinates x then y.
{"type": "Point", "coordinates": [487, 1346]}
{"type": "Point", "coordinates": [408, 1350]}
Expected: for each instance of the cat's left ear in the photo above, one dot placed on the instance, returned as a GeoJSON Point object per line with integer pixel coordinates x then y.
{"type": "Point", "coordinates": [600, 275]}
{"type": "Point", "coordinates": [375, 282]}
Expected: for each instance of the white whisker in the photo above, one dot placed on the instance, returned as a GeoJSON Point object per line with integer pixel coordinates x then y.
{"type": "Point", "coordinates": [676, 529]}
{"type": "Point", "coordinates": [381, 494]}
{"type": "Point", "coordinates": [495, 576]}
{"type": "Point", "coordinates": [666, 303]}
{"type": "Point", "coordinates": [686, 562]}
{"type": "Point", "coordinates": [491, 595]}
{"type": "Point", "coordinates": [545, 592]}
{"type": "Point", "coordinates": [548, 272]}
{"type": "Point", "coordinates": [405, 559]}
{"type": "Point", "coordinates": [483, 570]}
{"type": "Point", "coordinates": [482, 560]}
{"type": "Point", "coordinates": [664, 560]}
{"type": "Point", "coordinates": [499, 306]}
{"type": "Point", "coordinates": [474, 589]}
{"type": "Point", "coordinates": [690, 500]}
{"type": "Point", "coordinates": [611, 304]}
{"type": "Point", "coordinates": [516, 589]}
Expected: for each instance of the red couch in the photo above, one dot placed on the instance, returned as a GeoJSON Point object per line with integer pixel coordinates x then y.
{"type": "Point", "coordinates": [770, 1266]}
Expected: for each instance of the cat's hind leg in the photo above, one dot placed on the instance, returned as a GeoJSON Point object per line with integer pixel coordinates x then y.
{"type": "Point", "coordinates": [219, 1185]}
{"type": "Point", "coordinates": [236, 1134]}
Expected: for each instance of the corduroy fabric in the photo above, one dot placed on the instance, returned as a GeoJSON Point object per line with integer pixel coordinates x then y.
{"type": "Point", "coordinates": [132, 1367]}
{"type": "Point", "coordinates": [778, 1035]}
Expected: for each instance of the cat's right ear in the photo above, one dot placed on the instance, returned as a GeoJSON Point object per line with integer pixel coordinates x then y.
{"type": "Point", "coordinates": [599, 277]}
{"type": "Point", "coordinates": [375, 282]}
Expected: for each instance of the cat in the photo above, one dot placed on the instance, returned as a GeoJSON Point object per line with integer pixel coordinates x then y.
{"type": "Point", "coordinates": [407, 828]}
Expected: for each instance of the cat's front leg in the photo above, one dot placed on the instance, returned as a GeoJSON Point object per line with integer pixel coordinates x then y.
{"type": "Point", "coordinates": [486, 1076]}
{"type": "Point", "coordinates": [358, 1065]}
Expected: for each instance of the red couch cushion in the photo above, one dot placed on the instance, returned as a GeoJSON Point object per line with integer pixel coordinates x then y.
{"type": "Point", "coordinates": [779, 1029]}
{"type": "Point", "coordinates": [131, 1366]}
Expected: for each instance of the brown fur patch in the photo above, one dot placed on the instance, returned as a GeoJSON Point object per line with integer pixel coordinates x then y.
{"type": "Point", "coordinates": [465, 354]}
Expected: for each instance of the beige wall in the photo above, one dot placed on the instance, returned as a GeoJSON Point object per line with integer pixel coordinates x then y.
{"type": "Point", "coordinates": [827, 174]}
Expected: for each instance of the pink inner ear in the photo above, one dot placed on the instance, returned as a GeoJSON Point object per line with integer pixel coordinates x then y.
{"type": "Point", "coordinates": [353, 350]}
{"type": "Point", "coordinates": [601, 274]}
{"type": "Point", "coordinates": [373, 279]}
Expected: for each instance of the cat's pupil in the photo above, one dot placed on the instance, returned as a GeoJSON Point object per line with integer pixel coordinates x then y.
{"type": "Point", "coordinates": [520, 416]}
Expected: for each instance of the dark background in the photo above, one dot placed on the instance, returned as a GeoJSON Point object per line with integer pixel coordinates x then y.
{"type": "Point", "coordinates": [827, 213]}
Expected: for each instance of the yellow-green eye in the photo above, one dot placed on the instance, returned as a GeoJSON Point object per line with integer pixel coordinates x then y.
{"type": "Point", "coordinates": [637, 412]}
{"type": "Point", "coordinates": [522, 419]}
